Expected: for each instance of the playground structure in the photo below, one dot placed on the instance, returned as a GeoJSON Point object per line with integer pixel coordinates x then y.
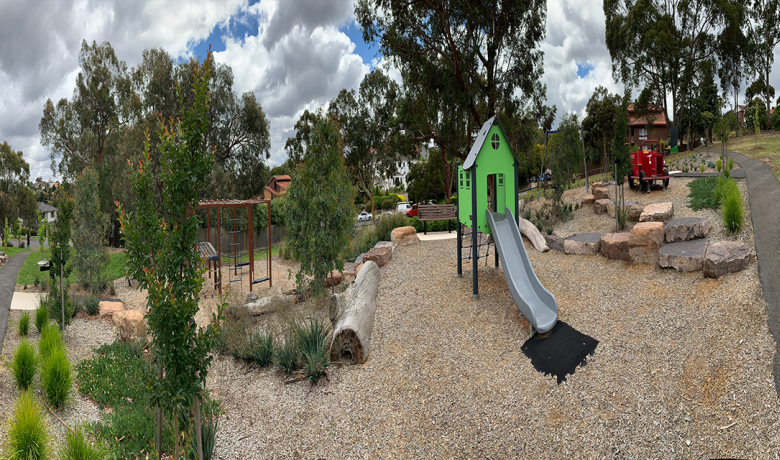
{"type": "Point", "coordinates": [487, 183]}
{"type": "Point", "coordinates": [213, 257]}
{"type": "Point", "coordinates": [647, 166]}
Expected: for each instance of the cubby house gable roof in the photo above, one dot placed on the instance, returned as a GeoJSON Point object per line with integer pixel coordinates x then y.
{"type": "Point", "coordinates": [482, 138]}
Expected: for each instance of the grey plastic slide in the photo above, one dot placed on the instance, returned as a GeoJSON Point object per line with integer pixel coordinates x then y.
{"type": "Point", "coordinates": [536, 303]}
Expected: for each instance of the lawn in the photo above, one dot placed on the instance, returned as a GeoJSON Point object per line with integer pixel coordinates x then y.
{"type": "Point", "coordinates": [769, 149]}
{"type": "Point", "coordinates": [259, 255]}
{"type": "Point", "coordinates": [10, 252]}
{"type": "Point", "coordinates": [116, 267]}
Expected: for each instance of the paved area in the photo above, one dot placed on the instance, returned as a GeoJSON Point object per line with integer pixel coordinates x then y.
{"type": "Point", "coordinates": [764, 190]}
{"type": "Point", "coordinates": [25, 301]}
{"type": "Point", "coordinates": [435, 236]}
{"type": "Point", "coordinates": [8, 274]}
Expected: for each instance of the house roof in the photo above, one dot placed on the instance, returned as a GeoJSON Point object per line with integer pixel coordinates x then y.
{"type": "Point", "coordinates": [43, 207]}
{"type": "Point", "coordinates": [480, 140]}
{"type": "Point", "coordinates": [633, 120]}
{"type": "Point", "coordinates": [282, 178]}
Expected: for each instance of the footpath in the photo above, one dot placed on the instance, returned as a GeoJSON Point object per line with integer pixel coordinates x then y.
{"type": "Point", "coordinates": [8, 274]}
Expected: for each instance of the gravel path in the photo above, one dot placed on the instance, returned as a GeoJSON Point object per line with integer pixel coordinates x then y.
{"type": "Point", "coordinates": [683, 369]}
{"type": "Point", "coordinates": [81, 336]}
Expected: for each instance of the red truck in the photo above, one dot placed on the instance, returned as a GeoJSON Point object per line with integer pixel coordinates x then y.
{"type": "Point", "coordinates": [648, 167]}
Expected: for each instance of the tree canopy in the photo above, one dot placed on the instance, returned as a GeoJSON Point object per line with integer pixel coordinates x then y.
{"type": "Point", "coordinates": [599, 123]}
{"type": "Point", "coordinates": [16, 200]}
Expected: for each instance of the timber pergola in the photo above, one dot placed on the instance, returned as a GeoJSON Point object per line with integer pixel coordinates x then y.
{"type": "Point", "coordinates": [207, 205]}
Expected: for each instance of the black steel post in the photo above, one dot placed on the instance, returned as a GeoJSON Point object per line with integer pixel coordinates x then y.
{"type": "Point", "coordinates": [458, 231]}
{"type": "Point", "coordinates": [474, 245]}
{"type": "Point", "coordinates": [517, 190]}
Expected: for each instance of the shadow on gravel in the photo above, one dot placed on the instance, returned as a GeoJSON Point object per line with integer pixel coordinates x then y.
{"type": "Point", "coordinates": [560, 352]}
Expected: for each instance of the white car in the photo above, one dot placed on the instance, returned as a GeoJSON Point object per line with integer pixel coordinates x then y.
{"type": "Point", "coordinates": [364, 217]}
{"type": "Point", "coordinates": [403, 207]}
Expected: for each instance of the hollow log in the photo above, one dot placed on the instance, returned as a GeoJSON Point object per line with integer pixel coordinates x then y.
{"type": "Point", "coordinates": [533, 234]}
{"type": "Point", "coordinates": [352, 314]}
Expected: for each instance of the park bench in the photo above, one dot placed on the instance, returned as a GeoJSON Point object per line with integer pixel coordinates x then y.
{"type": "Point", "coordinates": [432, 212]}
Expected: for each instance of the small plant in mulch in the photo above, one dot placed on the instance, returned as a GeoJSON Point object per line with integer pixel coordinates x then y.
{"type": "Point", "coordinates": [56, 378]}
{"type": "Point", "coordinates": [27, 434]}
{"type": "Point", "coordinates": [79, 446]}
{"type": "Point", "coordinates": [51, 339]}
{"type": "Point", "coordinates": [41, 317]}
{"type": "Point", "coordinates": [24, 364]}
{"type": "Point", "coordinates": [24, 324]}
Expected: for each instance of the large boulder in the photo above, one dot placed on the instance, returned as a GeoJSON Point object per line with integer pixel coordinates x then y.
{"type": "Point", "coordinates": [379, 255]}
{"type": "Point", "coordinates": [726, 257]}
{"type": "Point", "coordinates": [386, 244]}
{"type": "Point", "coordinates": [556, 240]}
{"type": "Point", "coordinates": [635, 212]}
{"type": "Point", "coordinates": [583, 244]}
{"type": "Point", "coordinates": [402, 236]}
{"type": "Point", "coordinates": [657, 212]}
{"type": "Point", "coordinates": [615, 246]}
{"type": "Point", "coordinates": [333, 279]}
{"type": "Point", "coordinates": [131, 324]}
{"type": "Point", "coordinates": [645, 241]}
{"type": "Point", "coordinates": [687, 228]}
{"type": "Point", "coordinates": [587, 199]}
{"type": "Point", "coordinates": [595, 185]}
{"type": "Point", "coordinates": [626, 205]}
{"type": "Point", "coordinates": [601, 193]}
{"type": "Point", "coordinates": [601, 206]}
{"type": "Point", "coordinates": [108, 308]}
{"type": "Point", "coordinates": [683, 256]}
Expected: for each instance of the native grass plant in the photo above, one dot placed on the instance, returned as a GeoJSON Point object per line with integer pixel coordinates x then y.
{"type": "Point", "coordinates": [209, 428]}
{"type": "Point", "coordinates": [312, 337]}
{"type": "Point", "coordinates": [56, 378]}
{"type": "Point", "coordinates": [78, 445]}
{"type": "Point", "coordinates": [704, 193]}
{"type": "Point", "coordinates": [731, 163]}
{"type": "Point", "coordinates": [320, 206]}
{"type": "Point", "coordinates": [719, 165]}
{"type": "Point", "coordinates": [90, 226]}
{"type": "Point", "coordinates": [41, 317]}
{"type": "Point", "coordinates": [27, 434]}
{"type": "Point", "coordinates": [24, 324]}
{"type": "Point", "coordinates": [286, 353]}
{"type": "Point", "coordinates": [259, 348]}
{"type": "Point", "coordinates": [24, 364]}
{"type": "Point", "coordinates": [731, 205]}
{"type": "Point", "coordinates": [92, 305]}
{"type": "Point", "coordinates": [51, 339]}
{"type": "Point", "coordinates": [161, 236]}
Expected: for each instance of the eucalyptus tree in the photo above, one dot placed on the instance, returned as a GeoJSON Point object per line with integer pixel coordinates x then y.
{"type": "Point", "coordinates": [732, 51]}
{"type": "Point", "coordinates": [764, 36]}
{"type": "Point", "coordinates": [599, 122]}
{"type": "Point", "coordinates": [658, 46]}
{"type": "Point", "coordinates": [14, 174]}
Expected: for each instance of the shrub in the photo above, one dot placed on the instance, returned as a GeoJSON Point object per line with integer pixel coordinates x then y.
{"type": "Point", "coordinates": [731, 163]}
{"type": "Point", "coordinates": [539, 225]}
{"type": "Point", "coordinates": [24, 364]}
{"type": "Point", "coordinates": [51, 339]}
{"type": "Point", "coordinates": [41, 317]}
{"type": "Point", "coordinates": [312, 338]}
{"type": "Point", "coordinates": [259, 348]}
{"type": "Point", "coordinates": [710, 164]}
{"type": "Point", "coordinates": [549, 230]}
{"type": "Point", "coordinates": [732, 209]}
{"type": "Point", "coordinates": [527, 214]}
{"type": "Point", "coordinates": [719, 165]}
{"type": "Point", "coordinates": [27, 432]}
{"type": "Point", "coordinates": [92, 305]}
{"type": "Point", "coordinates": [388, 223]}
{"type": "Point", "coordinates": [78, 446]}
{"type": "Point", "coordinates": [703, 193]}
{"type": "Point", "coordinates": [701, 168]}
{"type": "Point", "coordinates": [24, 324]}
{"type": "Point", "coordinates": [286, 354]}
{"type": "Point", "coordinates": [53, 302]}
{"type": "Point", "coordinates": [56, 378]}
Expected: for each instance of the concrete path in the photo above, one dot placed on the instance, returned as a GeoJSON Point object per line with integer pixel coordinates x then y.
{"type": "Point", "coordinates": [764, 190]}
{"type": "Point", "coordinates": [25, 301]}
{"type": "Point", "coordinates": [8, 274]}
{"type": "Point", "coordinates": [435, 236]}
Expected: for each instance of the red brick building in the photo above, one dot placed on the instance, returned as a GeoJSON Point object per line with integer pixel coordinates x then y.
{"type": "Point", "coordinates": [638, 129]}
{"type": "Point", "coordinates": [276, 185]}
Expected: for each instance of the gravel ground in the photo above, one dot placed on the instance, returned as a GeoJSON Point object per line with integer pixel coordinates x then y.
{"type": "Point", "coordinates": [683, 369]}
{"type": "Point", "coordinates": [81, 336]}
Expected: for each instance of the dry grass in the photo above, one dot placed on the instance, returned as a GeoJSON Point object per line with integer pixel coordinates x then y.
{"type": "Point", "coordinates": [769, 151]}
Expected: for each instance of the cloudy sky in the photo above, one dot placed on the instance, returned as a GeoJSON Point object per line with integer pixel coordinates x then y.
{"type": "Point", "coordinates": [293, 54]}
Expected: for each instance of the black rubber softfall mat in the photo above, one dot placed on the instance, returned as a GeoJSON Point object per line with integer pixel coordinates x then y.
{"type": "Point", "coordinates": [560, 352]}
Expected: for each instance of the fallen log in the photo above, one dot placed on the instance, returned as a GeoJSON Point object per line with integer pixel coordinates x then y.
{"type": "Point", "coordinates": [352, 314]}
{"type": "Point", "coordinates": [533, 234]}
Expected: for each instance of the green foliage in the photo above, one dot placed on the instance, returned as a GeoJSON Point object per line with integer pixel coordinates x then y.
{"type": "Point", "coordinates": [389, 222]}
{"type": "Point", "coordinates": [90, 227]}
{"type": "Point", "coordinates": [286, 354]}
{"type": "Point", "coordinates": [731, 202]}
{"type": "Point", "coordinates": [56, 378]}
{"type": "Point", "coordinates": [727, 171]}
{"type": "Point", "coordinates": [599, 122]}
{"type": "Point", "coordinates": [319, 213]}
{"type": "Point", "coordinates": [54, 303]}
{"type": "Point", "coordinates": [259, 348]}
{"type": "Point", "coordinates": [92, 305]}
{"type": "Point", "coordinates": [161, 236]}
{"type": "Point", "coordinates": [24, 324]}
{"type": "Point", "coordinates": [24, 364]}
{"type": "Point", "coordinates": [79, 446]}
{"type": "Point", "coordinates": [27, 434]}
{"type": "Point", "coordinates": [731, 163]}
{"type": "Point", "coordinates": [41, 317]}
{"type": "Point", "coordinates": [719, 165]}
{"type": "Point", "coordinates": [51, 339]}
{"type": "Point", "coordinates": [311, 339]}
{"type": "Point", "coordinates": [701, 168]}
{"type": "Point", "coordinates": [565, 155]}
{"type": "Point", "coordinates": [702, 193]}
{"type": "Point", "coordinates": [208, 431]}
{"type": "Point", "coordinates": [6, 234]}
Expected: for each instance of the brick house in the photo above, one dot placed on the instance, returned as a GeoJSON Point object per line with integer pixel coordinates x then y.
{"type": "Point", "coordinates": [639, 131]}
{"type": "Point", "coordinates": [276, 185]}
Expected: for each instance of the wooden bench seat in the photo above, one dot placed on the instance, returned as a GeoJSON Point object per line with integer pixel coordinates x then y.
{"type": "Point", "coordinates": [434, 212]}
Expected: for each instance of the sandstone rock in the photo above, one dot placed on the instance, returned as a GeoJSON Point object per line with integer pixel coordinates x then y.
{"type": "Point", "coordinates": [595, 185]}
{"type": "Point", "coordinates": [556, 240]}
{"type": "Point", "coordinates": [685, 256]}
{"type": "Point", "coordinates": [601, 193]}
{"type": "Point", "coordinates": [381, 255]}
{"type": "Point", "coordinates": [583, 244]}
{"type": "Point", "coordinates": [726, 257]}
{"type": "Point", "coordinates": [402, 236]}
{"type": "Point", "coordinates": [601, 206]}
{"type": "Point", "coordinates": [359, 259]}
{"type": "Point", "coordinates": [384, 244]}
{"type": "Point", "coordinates": [615, 246]}
{"type": "Point", "coordinates": [686, 229]}
{"type": "Point", "coordinates": [131, 324]}
{"type": "Point", "coordinates": [109, 307]}
{"type": "Point", "coordinates": [635, 212]}
{"type": "Point", "coordinates": [657, 212]}
{"type": "Point", "coordinates": [333, 279]}
{"type": "Point", "coordinates": [611, 207]}
{"type": "Point", "coordinates": [645, 240]}
{"type": "Point", "coordinates": [587, 199]}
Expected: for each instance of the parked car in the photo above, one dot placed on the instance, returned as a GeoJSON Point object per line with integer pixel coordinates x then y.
{"type": "Point", "coordinates": [403, 207]}
{"type": "Point", "coordinates": [364, 217]}
{"type": "Point", "coordinates": [413, 211]}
